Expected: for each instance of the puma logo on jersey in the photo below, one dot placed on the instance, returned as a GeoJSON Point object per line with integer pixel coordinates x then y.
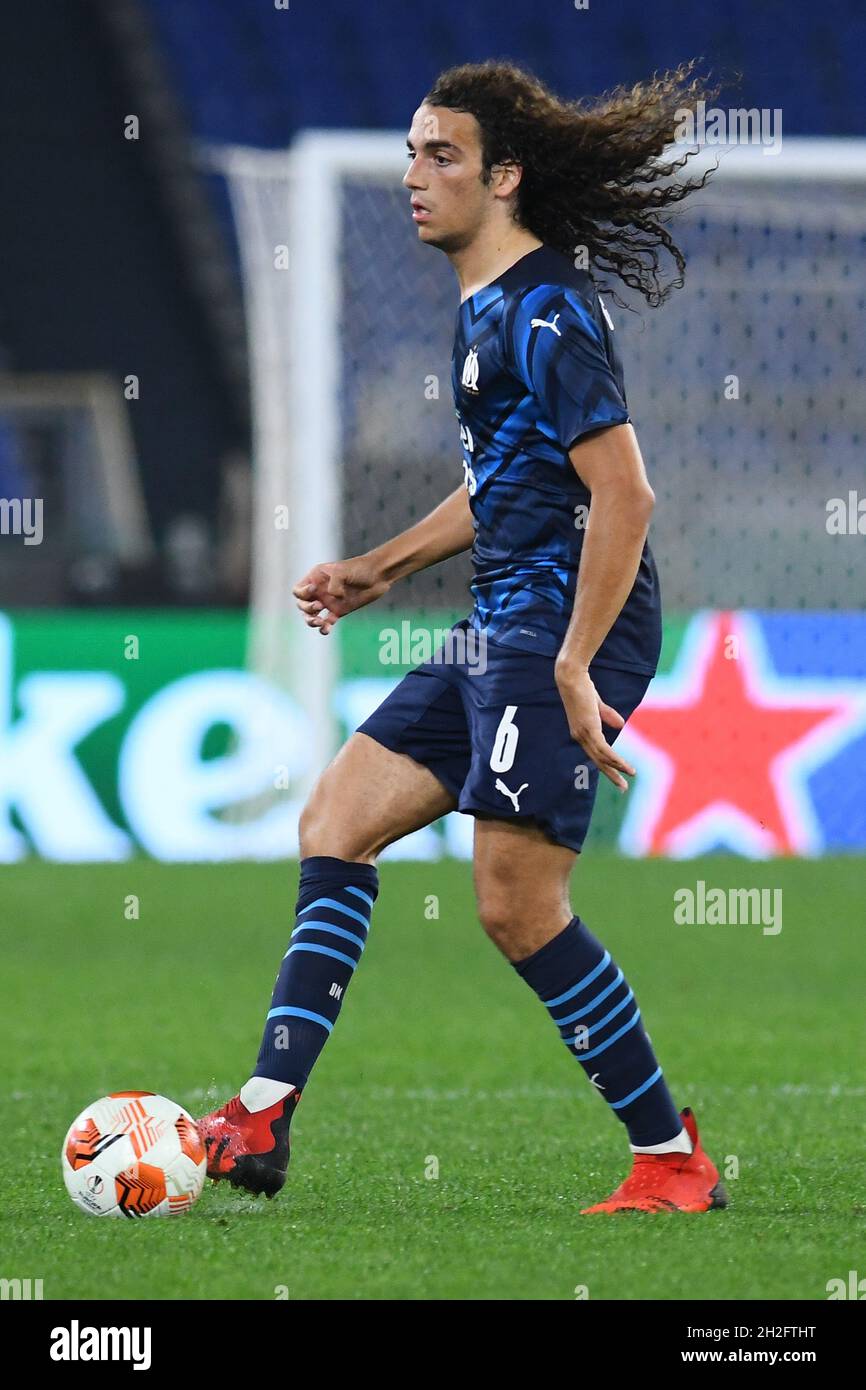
{"type": "Point", "coordinates": [543, 323]}
{"type": "Point", "coordinates": [469, 378]}
{"type": "Point", "coordinates": [501, 787]}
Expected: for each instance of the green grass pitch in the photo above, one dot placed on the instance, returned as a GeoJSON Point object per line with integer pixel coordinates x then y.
{"type": "Point", "coordinates": [443, 1054]}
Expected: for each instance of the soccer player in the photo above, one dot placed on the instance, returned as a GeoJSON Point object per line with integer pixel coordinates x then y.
{"type": "Point", "coordinates": [513, 722]}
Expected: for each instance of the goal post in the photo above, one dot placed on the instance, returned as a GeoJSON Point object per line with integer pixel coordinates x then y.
{"type": "Point", "coordinates": [285, 217]}
{"type": "Point", "coordinates": [744, 387]}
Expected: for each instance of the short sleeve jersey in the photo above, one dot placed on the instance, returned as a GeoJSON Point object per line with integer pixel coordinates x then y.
{"type": "Point", "coordinates": [535, 370]}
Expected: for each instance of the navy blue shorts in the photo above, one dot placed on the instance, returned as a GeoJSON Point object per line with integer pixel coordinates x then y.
{"type": "Point", "coordinates": [498, 738]}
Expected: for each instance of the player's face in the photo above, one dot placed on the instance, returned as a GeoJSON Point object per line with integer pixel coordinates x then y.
{"type": "Point", "coordinates": [449, 200]}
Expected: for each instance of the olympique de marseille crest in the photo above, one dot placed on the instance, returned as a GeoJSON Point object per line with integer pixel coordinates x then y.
{"type": "Point", "coordinates": [469, 378]}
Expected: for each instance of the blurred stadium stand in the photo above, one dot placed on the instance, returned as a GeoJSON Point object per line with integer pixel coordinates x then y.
{"type": "Point", "coordinates": [113, 267]}
{"type": "Point", "coordinates": [250, 77]}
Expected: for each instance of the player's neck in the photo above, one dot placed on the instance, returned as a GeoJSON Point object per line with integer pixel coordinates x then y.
{"type": "Point", "coordinates": [487, 257]}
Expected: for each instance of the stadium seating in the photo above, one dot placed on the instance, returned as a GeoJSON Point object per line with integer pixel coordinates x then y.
{"type": "Point", "coordinates": [246, 76]}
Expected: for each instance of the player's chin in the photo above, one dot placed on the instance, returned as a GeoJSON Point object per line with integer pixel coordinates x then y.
{"type": "Point", "coordinates": [433, 236]}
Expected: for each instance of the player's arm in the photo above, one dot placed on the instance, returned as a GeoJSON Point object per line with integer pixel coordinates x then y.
{"type": "Point", "coordinates": [572, 376]}
{"type": "Point", "coordinates": [444, 532]}
{"type": "Point", "coordinates": [609, 463]}
{"type": "Point", "coordinates": [329, 591]}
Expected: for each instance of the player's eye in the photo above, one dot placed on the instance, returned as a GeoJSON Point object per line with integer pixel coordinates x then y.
{"type": "Point", "coordinates": [439, 159]}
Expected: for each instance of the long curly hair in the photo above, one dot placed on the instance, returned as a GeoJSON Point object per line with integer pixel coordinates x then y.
{"type": "Point", "coordinates": [594, 171]}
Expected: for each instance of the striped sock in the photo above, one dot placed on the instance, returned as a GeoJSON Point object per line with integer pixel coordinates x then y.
{"type": "Point", "coordinates": [598, 1019]}
{"type": "Point", "coordinates": [335, 899]}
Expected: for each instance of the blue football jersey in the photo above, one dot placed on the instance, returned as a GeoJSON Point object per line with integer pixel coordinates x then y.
{"type": "Point", "coordinates": [534, 370]}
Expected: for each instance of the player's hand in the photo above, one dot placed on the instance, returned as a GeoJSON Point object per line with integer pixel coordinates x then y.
{"type": "Point", "coordinates": [330, 591]}
{"type": "Point", "coordinates": [586, 710]}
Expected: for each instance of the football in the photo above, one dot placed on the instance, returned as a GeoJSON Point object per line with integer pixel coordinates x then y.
{"type": "Point", "coordinates": [133, 1154]}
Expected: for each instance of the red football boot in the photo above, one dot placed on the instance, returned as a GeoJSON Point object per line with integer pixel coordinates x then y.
{"type": "Point", "coordinates": [669, 1182]}
{"type": "Point", "coordinates": [250, 1148]}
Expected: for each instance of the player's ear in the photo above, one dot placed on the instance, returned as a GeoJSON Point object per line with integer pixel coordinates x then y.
{"type": "Point", "coordinates": [506, 178]}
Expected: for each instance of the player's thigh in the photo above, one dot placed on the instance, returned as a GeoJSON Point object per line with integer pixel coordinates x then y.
{"type": "Point", "coordinates": [367, 798]}
{"type": "Point", "coordinates": [521, 884]}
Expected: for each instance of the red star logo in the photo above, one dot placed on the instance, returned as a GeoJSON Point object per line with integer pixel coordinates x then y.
{"type": "Point", "coordinates": [719, 747]}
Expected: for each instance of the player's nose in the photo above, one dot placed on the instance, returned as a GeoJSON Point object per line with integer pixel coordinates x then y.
{"type": "Point", "coordinates": [412, 178]}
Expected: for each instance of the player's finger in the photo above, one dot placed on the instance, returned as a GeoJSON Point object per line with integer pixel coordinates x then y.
{"type": "Point", "coordinates": [610, 768]}
{"type": "Point", "coordinates": [614, 759]}
{"type": "Point", "coordinates": [614, 766]}
{"type": "Point", "coordinates": [619, 782]}
{"type": "Point", "coordinates": [610, 716]}
{"type": "Point", "coordinates": [323, 621]}
{"type": "Point", "coordinates": [595, 748]}
{"type": "Point", "coordinates": [304, 588]}
{"type": "Point", "coordinates": [313, 606]}
{"type": "Point", "coordinates": [606, 760]}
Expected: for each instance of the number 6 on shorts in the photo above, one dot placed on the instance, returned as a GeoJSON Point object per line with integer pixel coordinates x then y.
{"type": "Point", "coordinates": [505, 742]}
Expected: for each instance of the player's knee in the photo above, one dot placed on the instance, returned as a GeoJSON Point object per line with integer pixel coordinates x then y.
{"type": "Point", "coordinates": [499, 915]}
{"type": "Point", "coordinates": [520, 918]}
{"type": "Point", "coordinates": [311, 828]}
{"type": "Point", "coordinates": [319, 830]}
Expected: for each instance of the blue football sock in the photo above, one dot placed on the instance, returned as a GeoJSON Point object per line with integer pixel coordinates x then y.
{"type": "Point", "coordinates": [599, 1021]}
{"type": "Point", "coordinates": [335, 900]}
